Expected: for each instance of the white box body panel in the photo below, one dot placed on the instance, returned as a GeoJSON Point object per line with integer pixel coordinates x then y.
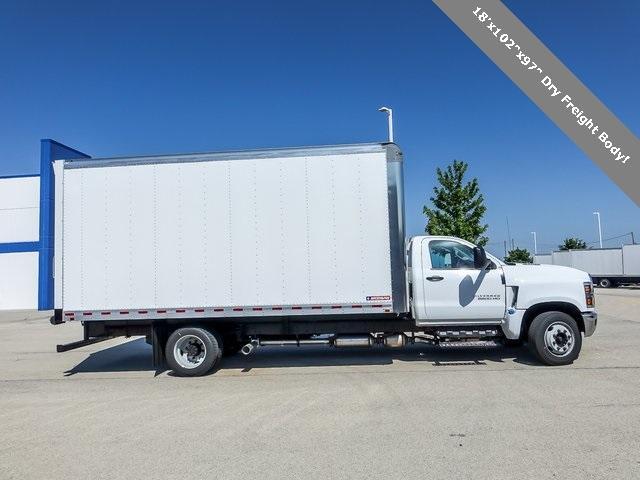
{"type": "Point", "coordinates": [19, 281]}
{"type": "Point", "coordinates": [295, 230]}
{"type": "Point", "coordinates": [595, 262]}
{"type": "Point", "coordinates": [631, 260]}
{"type": "Point", "coordinates": [19, 209]}
{"type": "Point", "coordinates": [608, 262]}
{"type": "Point", "coordinates": [562, 257]}
{"type": "Point", "coordinates": [543, 259]}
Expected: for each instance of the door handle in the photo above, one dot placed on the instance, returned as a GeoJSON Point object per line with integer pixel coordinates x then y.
{"type": "Point", "coordinates": [435, 278]}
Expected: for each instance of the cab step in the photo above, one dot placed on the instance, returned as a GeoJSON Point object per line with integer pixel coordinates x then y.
{"type": "Point", "coordinates": [444, 335]}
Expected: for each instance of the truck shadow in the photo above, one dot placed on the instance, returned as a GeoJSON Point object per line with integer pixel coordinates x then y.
{"type": "Point", "coordinates": [135, 355]}
{"type": "Point", "coordinates": [129, 356]}
{"type": "Point", "coordinates": [283, 357]}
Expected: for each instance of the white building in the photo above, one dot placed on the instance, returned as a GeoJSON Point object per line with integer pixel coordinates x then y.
{"type": "Point", "coordinates": [19, 241]}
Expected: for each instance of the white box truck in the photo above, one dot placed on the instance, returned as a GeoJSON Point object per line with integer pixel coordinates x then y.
{"type": "Point", "coordinates": [209, 254]}
{"type": "Point", "coordinates": [608, 267]}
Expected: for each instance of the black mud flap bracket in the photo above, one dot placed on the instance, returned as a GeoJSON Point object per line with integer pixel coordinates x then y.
{"type": "Point", "coordinates": [56, 318]}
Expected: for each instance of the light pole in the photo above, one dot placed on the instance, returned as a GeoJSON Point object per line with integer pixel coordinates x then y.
{"type": "Point", "coordinates": [597, 214]}
{"type": "Point", "coordinates": [389, 113]}
{"type": "Point", "coordinates": [535, 243]}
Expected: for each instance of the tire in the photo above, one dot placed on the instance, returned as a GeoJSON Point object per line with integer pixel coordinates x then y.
{"type": "Point", "coordinates": [554, 338]}
{"type": "Point", "coordinates": [193, 351]}
{"type": "Point", "coordinates": [605, 283]}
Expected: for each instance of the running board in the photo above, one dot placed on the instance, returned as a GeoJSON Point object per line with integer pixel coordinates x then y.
{"type": "Point", "coordinates": [461, 334]}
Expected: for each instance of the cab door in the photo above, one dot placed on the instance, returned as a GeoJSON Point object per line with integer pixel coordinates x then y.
{"type": "Point", "coordinates": [454, 290]}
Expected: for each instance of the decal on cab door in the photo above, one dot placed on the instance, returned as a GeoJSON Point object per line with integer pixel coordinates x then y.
{"type": "Point", "coordinates": [492, 296]}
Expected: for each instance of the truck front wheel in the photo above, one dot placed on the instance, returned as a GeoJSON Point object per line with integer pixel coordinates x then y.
{"type": "Point", "coordinates": [193, 351]}
{"type": "Point", "coordinates": [554, 337]}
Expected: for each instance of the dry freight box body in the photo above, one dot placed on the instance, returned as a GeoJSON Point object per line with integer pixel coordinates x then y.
{"type": "Point", "coordinates": [314, 230]}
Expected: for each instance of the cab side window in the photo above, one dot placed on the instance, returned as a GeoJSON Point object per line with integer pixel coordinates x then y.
{"type": "Point", "coordinates": [448, 254]}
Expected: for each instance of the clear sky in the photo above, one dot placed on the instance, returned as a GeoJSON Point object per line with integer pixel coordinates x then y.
{"type": "Point", "coordinates": [125, 77]}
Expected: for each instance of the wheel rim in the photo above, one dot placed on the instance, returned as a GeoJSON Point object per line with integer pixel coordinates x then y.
{"type": "Point", "coordinates": [605, 283]}
{"type": "Point", "coordinates": [189, 351]}
{"type": "Point", "coordinates": [559, 339]}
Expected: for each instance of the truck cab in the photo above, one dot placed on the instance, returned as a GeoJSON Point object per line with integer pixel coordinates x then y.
{"type": "Point", "coordinates": [455, 285]}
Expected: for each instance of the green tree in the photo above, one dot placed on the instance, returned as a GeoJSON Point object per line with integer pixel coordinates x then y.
{"type": "Point", "coordinates": [458, 206]}
{"type": "Point", "coordinates": [572, 244]}
{"type": "Point", "coordinates": [518, 255]}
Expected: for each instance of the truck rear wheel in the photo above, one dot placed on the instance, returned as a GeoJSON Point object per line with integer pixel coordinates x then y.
{"type": "Point", "coordinates": [193, 351]}
{"type": "Point", "coordinates": [554, 337]}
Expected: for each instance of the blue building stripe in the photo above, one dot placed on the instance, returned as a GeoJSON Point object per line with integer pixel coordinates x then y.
{"type": "Point", "coordinates": [18, 247]}
{"type": "Point", "coordinates": [28, 175]}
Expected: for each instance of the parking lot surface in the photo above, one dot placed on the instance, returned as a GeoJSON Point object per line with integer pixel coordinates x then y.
{"type": "Point", "coordinates": [102, 412]}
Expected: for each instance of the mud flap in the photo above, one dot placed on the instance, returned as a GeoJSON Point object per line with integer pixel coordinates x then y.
{"type": "Point", "coordinates": [158, 342]}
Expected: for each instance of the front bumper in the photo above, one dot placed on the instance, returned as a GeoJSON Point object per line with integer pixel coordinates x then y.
{"type": "Point", "coordinates": [590, 320]}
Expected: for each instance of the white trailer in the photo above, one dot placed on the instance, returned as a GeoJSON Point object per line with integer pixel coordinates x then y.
{"type": "Point", "coordinates": [220, 252]}
{"type": "Point", "coordinates": [608, 267]}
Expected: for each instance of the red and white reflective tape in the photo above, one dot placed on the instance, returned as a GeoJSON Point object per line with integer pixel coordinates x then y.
{"type": "Point", "coordinates": [220, 311]}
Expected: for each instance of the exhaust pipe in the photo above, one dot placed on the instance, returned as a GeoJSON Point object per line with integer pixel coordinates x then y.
{"type": "Point", "coordinates": [353, 341]}
{"type": "Point", "coordinates": [394, 340]}
{"type": "Point", "coordinates": [281, 343]}
{"type": "Point", "coordinates": [250, 347]}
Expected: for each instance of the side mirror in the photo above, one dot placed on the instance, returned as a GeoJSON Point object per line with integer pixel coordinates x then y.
{"type": "Point", "coordinates": [480, 260]}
